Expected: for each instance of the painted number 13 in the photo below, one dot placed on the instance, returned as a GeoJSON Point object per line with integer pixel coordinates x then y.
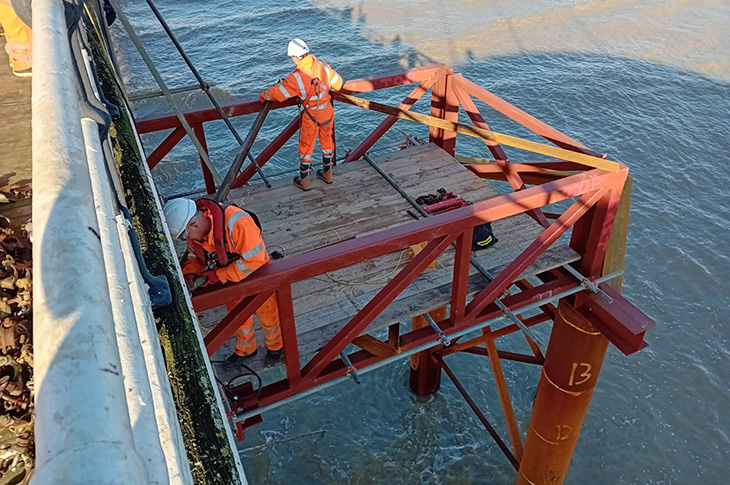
{"type": "Point", "coordinates": [580, 373]}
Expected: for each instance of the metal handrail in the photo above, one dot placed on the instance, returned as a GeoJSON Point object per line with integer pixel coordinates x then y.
{"type": "Point", "coordinates": [163, 86]}
{"type": "Point", "coordinates": [206, 89]}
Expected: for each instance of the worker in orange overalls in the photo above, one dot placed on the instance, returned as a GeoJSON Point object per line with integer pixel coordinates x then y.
{"type": "Point", "coordinates": [311, 82]}
{"type": "Point", "coordinates": [19, 40]}
{"type": "Point", "coordinates": [224, 244]}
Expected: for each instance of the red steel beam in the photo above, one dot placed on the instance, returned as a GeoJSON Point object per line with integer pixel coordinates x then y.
{"type": "Point", "coordinates": [558, 165]}
{"type": "Point", "coordinates": [460, 280]}
{"type": "Point", "coordinates": [483, 419]}
{"type": "Point", "coordinates": [505, 355]}
{"type": "Point", "coordinates": [281, 389]}
{"type": "Point", "coordinates": [319, 261]}
{"type": "Point", "coordinates": [230, 323]}
{"type": "Point", "coordinates": [591, 234]}
{"type": "Point", "coordinates": [529, 122]}
{"type": "Point", "coordinates": [444, 105]}
{"type": "Point", "coordinates": [285, 307]}
{"type": "Point", "coordinates": [387, 123]}
{"type": "Point", "coordinates": [164, 148]}
{"type": "Point", "coordinates": [619, 320]}
{"type": "Point", "coordinates": [496, 150]}
{"type": "Point", "coordinates": [376, 305]}
{"type": "Point", "coordinates": [503, 392]}
{"type": "Point", "coordinates": [147, 125]}
{"type": "Point", "coordinates": [518, 169]}
{"type": "Point", "coordinates": [530, 254]}
{"type": "Point", "coordinates": [207, 175]}
{"type": "Point", "coordinates": [268, 152]}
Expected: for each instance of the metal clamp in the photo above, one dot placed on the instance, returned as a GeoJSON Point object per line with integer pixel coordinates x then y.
{"type": "Point", "coordinates": [588, 283]}
{"type": "Point", "coordinates": [350, 370]}
{"type": "Point", "coordinates": [441, 336]}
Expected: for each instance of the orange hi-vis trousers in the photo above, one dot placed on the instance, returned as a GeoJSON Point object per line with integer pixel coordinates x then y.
{"type": "Point", "coordinates": [268, 315]}
{"type": "Point", "coordinates": [18, 37]}
{"type": "Point", "coordinates": [310, 130]}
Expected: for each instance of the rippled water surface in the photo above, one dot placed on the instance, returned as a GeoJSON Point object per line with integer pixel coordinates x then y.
{"type": "Point", "coordinates": [645, 81]}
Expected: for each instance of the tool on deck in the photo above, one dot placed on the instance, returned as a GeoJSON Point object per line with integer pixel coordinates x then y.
{"type": "Point", "coordinates": [482, 237]}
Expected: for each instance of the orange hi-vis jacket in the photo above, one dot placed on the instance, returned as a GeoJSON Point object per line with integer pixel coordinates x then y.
{"type": "Point", "coordinates": [243, 239]}
{"type": "Point", "coordinates": [311, 81]}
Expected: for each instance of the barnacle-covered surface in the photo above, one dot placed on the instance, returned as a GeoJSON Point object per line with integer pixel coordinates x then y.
{"type": "Point", "coordinates": [17, 449]}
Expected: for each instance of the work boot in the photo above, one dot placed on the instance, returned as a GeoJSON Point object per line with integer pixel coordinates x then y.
{"type": "Point", "coordinates": [23, 72]}
{"type": "Point", "coordinates": [326, 172]}
{"type": "Point", "coordinates": [235, 361]}
{"type": "Point", "coordinates": [273, 357]}
{"type": "Point", "coordinates": [302, 181]}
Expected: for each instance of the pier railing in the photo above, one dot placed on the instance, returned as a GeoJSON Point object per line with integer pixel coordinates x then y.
{"type": "Point", "coordinates": [104, 411]}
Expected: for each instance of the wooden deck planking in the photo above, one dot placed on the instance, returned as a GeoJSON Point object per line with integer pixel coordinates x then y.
{"type": "Point", "coordinates": [362, 202]}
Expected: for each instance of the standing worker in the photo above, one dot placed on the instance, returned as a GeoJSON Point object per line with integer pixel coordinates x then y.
{"type": "Point", "coordinates": [224, 244]}
{"type": "Point", "coordinates": [311, 81]}
{"type": "Point", "coordinates": [18, 40]}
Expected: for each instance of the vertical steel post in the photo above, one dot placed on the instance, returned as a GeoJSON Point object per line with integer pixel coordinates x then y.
{"type": "Point", "coordinates": [425, 368]}
{"type": "Point", "coordinates": [444, 105]}
{"type": "Point", "coordinates": [572, 364]}
{"type": "Point", "coordinates": [207, 175]}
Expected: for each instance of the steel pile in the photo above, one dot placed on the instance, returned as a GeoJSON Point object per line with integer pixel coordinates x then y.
{"type": "Point", "coordinates": [17, 448]}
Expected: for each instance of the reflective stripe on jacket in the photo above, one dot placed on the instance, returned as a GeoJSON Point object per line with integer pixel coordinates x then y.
{"type": "Point", "coordinates": [243, 238]}
{"type": "Point", "coordinates": [299, 84]}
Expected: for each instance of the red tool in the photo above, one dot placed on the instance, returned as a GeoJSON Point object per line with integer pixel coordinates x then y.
{"type": "Point", "coordinates": [449, 202]}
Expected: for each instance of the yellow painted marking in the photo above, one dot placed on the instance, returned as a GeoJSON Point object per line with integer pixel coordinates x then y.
{"type": "Point", "coordinates": [583, 377]}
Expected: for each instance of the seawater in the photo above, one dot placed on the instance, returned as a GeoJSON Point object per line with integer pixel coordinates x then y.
{"type": "Point", "coordinates": [645, 81]}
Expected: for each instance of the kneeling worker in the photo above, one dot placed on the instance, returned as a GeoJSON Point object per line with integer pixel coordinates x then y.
{"type": "Point", "coordinates": [311, 82]}
{"type": "Point", "coordinates": [224, 244]}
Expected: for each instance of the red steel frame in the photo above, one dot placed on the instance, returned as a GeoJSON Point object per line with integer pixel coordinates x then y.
{"type": "Point", "coordinates": [591, 216]}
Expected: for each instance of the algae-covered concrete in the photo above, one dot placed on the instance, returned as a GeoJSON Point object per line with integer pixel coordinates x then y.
{"type": "Point", "coordinates": [211, 456]}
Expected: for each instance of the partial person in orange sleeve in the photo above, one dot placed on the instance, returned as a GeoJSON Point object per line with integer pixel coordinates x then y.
{"type": "Point", "coordinates": [18, 40]}
{"type": "Point", "coordinates": [225, 245]}
{"type": "Point", "coordinates": [311, 82]}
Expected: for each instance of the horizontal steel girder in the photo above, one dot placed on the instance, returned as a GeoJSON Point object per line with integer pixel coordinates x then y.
{"type": "Point", "coordinates": [618, 319]}
{"type": "Point", "coordinates": [346, 253]}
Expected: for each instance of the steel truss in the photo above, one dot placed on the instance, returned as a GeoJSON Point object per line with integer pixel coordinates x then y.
{"type": "Point", "coordinates": [584, 176]}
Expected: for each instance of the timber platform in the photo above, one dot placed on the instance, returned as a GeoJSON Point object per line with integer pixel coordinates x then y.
{"type": "Point", "coordinates": [362, 202]}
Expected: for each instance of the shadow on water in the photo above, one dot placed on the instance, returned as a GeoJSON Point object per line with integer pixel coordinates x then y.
{"type": "Point", "coordinates": [657, 416]}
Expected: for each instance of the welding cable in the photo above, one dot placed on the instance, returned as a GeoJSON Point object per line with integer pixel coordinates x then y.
{"type": "Point", "coordinates": [250, 372]}
{"type": "Point", "coordinates": [271, 246]}
{"type": "Point", "coordinates": [374, 279]}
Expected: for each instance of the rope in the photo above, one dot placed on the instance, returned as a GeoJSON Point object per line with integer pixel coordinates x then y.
{"type": "Point", "coordinates": [375, 279]}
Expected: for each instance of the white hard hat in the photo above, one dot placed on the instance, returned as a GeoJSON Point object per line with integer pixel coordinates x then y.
{"type": "Point", "coordinates": [297, 47]}
{"type": "Point", "coordinates": [178, 213]}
